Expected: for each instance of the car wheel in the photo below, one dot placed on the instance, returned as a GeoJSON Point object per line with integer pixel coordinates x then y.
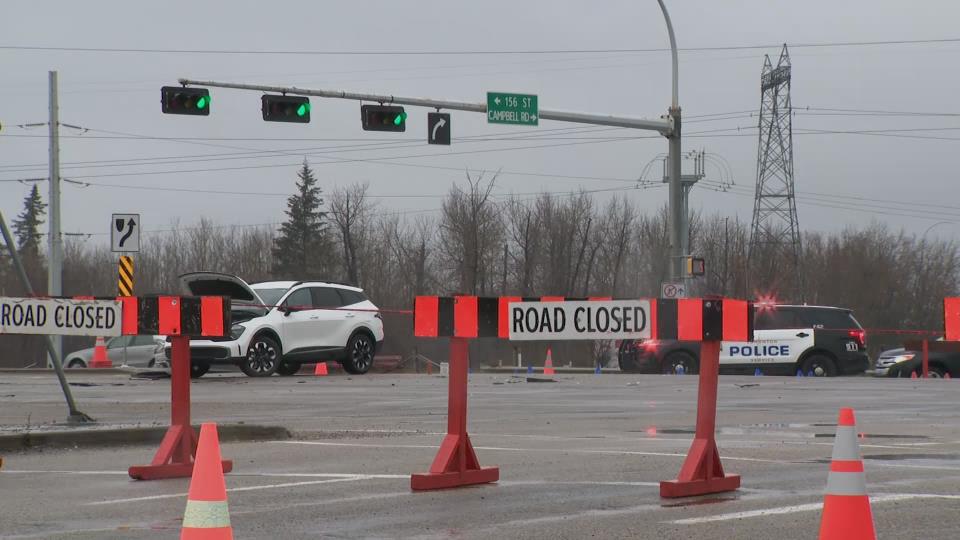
{"type": "Point", "coordinates": [626, 363]}
{"type": "Point", "coordinates": [626, 358]}
{"type": "Point", "coordinates": [263, 357]}
{"type": "Point", "coordinates": [359, 354]}
{"type": "Point", "coordinates": [288, 368]}
{"type": "Point", "coordinates": [820, 366]}
{"type": "Point", "coordinates": [933, 372]}
{"type": "Point", "coordinates": [675, 361]}
{"type": "Point", "coordinates": [76, 363]}
{"type": "Point", "coordinates": [198, 369]}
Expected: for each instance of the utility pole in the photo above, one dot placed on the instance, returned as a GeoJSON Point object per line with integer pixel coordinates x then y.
{"type": "Point", "coordinates": [55, 242]}
{"type": "Point", "coordinates": [687, 182]}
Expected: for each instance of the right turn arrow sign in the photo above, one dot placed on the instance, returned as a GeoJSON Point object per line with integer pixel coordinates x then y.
{"type": "Point", "coordinates": [438, 126]}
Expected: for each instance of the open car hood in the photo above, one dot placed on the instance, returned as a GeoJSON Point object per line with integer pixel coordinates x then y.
{"type": "Point", "coordinates": [215, 284]}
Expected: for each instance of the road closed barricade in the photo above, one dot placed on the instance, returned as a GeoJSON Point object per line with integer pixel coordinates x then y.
{"type": "Point", "coordinates": [179, 318]}
{"type": "Point", "coordinates": [461, 318]}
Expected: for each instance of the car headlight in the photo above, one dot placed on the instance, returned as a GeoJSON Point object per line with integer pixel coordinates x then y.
{"type": "Point", "coordinates": [902, 358]}
{"type": "Point", "coordinates": [236, 331]}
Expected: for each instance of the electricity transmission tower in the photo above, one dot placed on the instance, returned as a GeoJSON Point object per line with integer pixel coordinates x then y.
{"type": "Point", "coordinates": [775, 233]}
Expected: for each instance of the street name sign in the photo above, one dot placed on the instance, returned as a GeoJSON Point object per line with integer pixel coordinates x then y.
{"type": "Point", "coordinates": [595, 319]}
{"type": "Point", "coordinates": [516, 109]}
{"type": "Point", "coordinates": [60, 316]}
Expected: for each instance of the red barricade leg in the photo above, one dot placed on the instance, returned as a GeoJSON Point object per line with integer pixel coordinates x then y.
{"type": "Point", "coordinates": [702, 472]}
{"type": "Point", "coordinates": [174, 458]}
{"type": "Point", "coordinates": [456, 463]}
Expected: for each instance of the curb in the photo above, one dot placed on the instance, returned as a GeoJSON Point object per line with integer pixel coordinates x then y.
{"type": "Point", "coordinates": [76, 371]}
{"type": "Point", "coordinates": [90, 438]}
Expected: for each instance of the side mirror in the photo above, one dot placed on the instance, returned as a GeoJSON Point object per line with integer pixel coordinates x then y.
{"type": "Point", "coordinates": [285, 310]}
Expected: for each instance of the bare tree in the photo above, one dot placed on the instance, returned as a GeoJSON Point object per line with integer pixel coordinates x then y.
{"type": "Point", "coordinates": [351, 212]}
{"type": "Point", "coordinates": [470, 233]}
{"type": "Point", "coordinates": [524, 236]}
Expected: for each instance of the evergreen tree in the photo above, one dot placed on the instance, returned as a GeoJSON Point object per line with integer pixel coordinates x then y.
{"type": "Point", "coordinates": [302, 250]}
{"type": "Point", "coordinates": [26, 228]}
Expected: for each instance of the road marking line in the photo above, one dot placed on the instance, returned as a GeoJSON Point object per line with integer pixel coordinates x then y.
{"type": "Point", "coordinates": [242, 475]}
{"type": "Point", "coordinates": [720, 439]}
{"type": "Point", "coordinates": [234, 490]}
{"type": "Point", "coordinates": [322, 502]}
{"type": "Point", "coordinates": [907, 466]}
{"type": "Point", "coordinates": [804, 508]}
{"type": "Point", "coordinates": [575, 483]}
{"type": "Point", "coordinates": [505, 449]}
{"type": "Point", "coordinates": [28, 471]}
{"type": "Point", "coordinates": [328, 475]}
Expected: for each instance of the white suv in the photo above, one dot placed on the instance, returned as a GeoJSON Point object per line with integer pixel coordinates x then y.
{"type": "Point", "coordinates": [280, 325]}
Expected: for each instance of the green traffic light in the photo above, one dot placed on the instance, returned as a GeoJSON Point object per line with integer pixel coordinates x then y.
{"type": "Point", "coordinates": [303, 109]}
{"type": "Point", "coordinates": [202, 102]}
{"type": "Point", "coordinates": [400, 118]}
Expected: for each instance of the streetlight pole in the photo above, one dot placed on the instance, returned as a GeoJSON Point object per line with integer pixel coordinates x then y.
{"type": "Point", "coordinates": [677, 216]}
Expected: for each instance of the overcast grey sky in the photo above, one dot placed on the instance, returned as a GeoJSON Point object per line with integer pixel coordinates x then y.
{"type": "Point", "coordinates": [841, 179]}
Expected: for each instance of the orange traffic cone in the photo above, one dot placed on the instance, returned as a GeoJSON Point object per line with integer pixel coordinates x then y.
{"type": "Point", "coordinates": [846, 506]}
{"type": "Point", "coordinates": [207, 516]}
{"type": "Point", "coordinates": [321, 369]}
{"type": "Point", "coordinates": [913, 375]}
{"type": "Point", "coordinates": [548, 364]}
{"type": "Point", "coordinates": [947, 375]}
{"type": "Point", "coordinates": [100, 358]}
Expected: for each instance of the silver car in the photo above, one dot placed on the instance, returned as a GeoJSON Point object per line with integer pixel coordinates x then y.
{"type": "Point", "coordinates": [134, 351]}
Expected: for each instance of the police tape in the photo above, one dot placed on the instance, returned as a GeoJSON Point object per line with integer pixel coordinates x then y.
{"type": "Point", "coordinates": [905, 332]}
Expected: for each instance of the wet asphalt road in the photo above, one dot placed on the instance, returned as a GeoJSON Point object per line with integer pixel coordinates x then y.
{"type": "Point", "coordinates": [579, 458]}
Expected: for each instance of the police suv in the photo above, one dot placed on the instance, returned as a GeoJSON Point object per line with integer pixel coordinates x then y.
{"type": "Point", "coordinates": [817, 340]}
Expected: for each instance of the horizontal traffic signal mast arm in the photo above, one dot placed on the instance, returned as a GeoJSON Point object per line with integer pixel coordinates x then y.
{"type": "Point", "coordinates": [664, 125]}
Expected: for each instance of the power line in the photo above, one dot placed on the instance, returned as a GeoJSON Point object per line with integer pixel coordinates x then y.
{"type": "Point", "coordinates": [390, 158]}
{"type": "Point", "coordinates": [257, 154]}
{"type": "Point", "coordinates": [837, 202]}
{"type": "Point", "coordinates": [472, 52]}
{"type": "Point", "coordinates": [352, 160]}
{"type": "Point", "coordinates": [878, 112]}
{"type": "Point", "coordinates": [532, 196]}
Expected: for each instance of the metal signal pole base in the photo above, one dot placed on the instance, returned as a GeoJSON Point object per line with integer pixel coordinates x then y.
{"type": "Point", "coordinates": [702, 473]}
{"type": "Point", "coordinates": [456, 463]}
{"type": "Point", "coordinates": [174, 458]}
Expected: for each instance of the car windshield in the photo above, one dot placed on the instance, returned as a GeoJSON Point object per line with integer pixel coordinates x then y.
{"type": "Point", "coordinates": [271, 297]}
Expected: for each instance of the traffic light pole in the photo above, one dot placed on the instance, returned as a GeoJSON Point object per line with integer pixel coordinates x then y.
{"type": "Point", "coordinates": [663, 126]}
{"type": "Point", "coordinates": [668, 126]}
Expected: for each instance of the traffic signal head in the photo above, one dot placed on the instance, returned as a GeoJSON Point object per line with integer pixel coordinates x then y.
{"type": "Point", "coordinates": [383, 118]}
{"type": "Point", "coordinates": [183, 100]}
{"type": "Point", "coordinates": [285, 108]}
